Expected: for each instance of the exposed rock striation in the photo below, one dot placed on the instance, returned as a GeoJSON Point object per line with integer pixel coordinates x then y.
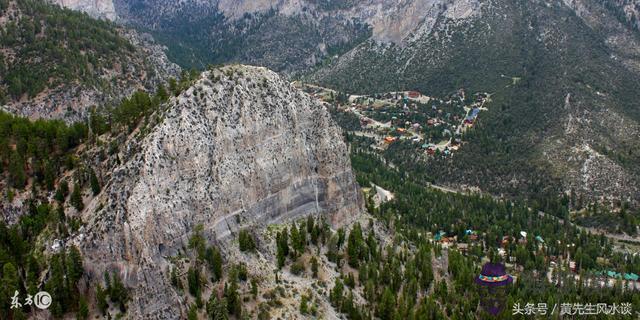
{"type": "Point", "coordinates": [241, 148]}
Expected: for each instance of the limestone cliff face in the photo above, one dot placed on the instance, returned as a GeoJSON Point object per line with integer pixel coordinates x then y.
{"type": "Point", "coordinates": [96, 8]}
{"type": "Point", "coordinates": [391, 21]}
{"type": "Point", "coordinates": [240, 148]}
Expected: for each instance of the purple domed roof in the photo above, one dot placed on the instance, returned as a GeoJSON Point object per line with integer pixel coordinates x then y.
{"type": "Point", "coordinates": [493, 275]}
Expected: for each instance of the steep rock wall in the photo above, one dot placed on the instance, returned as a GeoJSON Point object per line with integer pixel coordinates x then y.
{"type": "Point", "coordinates": [241, 148]}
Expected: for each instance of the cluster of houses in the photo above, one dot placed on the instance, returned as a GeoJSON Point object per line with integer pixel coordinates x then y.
{"type": "Point", "coordinates": [434, 125]}
{"type": "Point", "coordinates": [434, 129]}
{"type": "Point", "coordinates": [617, 275]}
{"type": "Point", "coordinates": [470, 119]}
{"type": "Point", "coordinates": [472, 239]}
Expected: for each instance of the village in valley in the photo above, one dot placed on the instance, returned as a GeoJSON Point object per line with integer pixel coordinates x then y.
{"type": "Point", "coordinates": [436, 126]}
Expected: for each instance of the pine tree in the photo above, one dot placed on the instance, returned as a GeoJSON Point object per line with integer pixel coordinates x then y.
{"type": "Point", "coordinates": [10, 282]}
{"type": "Point", "coordinates": [303, 237]}
{"type": "Point", "coordinates": [217, 308]}
{"type": "Point", "coordinates": [341, 236]}
{"type": "Point", "coordinates": [280, 257]}
{"type": "Point", "coordinates": [296, 243]}
{"type": "Point", "coordinates": [254, 288]}
{"type": "Point", "coordinates": [197, 242]}
{"type": "Point", "coordinates": [57, 286]}
{"type": "Point", "coordinates": [310, 224]}
{"type": "Point", "coordinates": [355, 246]}
{"type": "Point", "coordinates": [161, 93]}
{"type": "Point", "coordinates": [76, 198]}
{"type": "Point", "coordinates": [16, 171]}
{"type": "Point", "coordinates": [315, 234]}
{"type": "Point", "coordinates": [387, 305]}
{"type": "Point", "coordinates": [314, 266]}
{"type": "Point", "coordinates": [101, 299]}
{"type": "Point", "coordinates": [282, 248]}
{"type": "Point", "coordinates": [49, 175]}
{"type": "Point", "coordinates": [304, 308]}
{"type": "Point", "coordinates": [118, 293]}
{"type": "Point", "coordinates": [214, 259]}
{"type": "Point", "coordinates": [95, 184]}
{"type": "Point", "coordinates": [350, 281]}
{"type": "Point", "coordinates": [193, 279]}
{"type": "Point", "coordinates": [175, 281]}
{"type": "Point", "coordinates": [246, 241]}
{"type": "Point", "coordinates": [336, 294]}
{"type": "Point", "coordinates": [234, 304]}
{"type": "Point", "coordinates": [83, 309]}
{"type": "Point", "coordinates": [74, 265]}
{"type": "Point", "coordinates": [33, 274]}
{"type": "Point", "coordinates": [193, 312]}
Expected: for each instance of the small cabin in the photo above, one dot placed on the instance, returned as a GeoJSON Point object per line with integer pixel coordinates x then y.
{"type": "Point", "coordinates": [414, 94]}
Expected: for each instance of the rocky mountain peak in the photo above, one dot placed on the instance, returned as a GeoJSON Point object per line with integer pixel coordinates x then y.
{"type": "Point", "coordinates": [240, 148]}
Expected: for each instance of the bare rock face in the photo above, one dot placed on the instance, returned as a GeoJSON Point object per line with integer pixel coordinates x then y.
{"type": "Point", "coordinates": [391, 21]}
{"type": "Point", "coordinates": [95, 8]}
{"type": "Point", "coordinates": [239, 149]}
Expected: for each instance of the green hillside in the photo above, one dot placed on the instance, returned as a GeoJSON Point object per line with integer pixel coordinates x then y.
{"type": "Point", "coordinates": [45, 46]}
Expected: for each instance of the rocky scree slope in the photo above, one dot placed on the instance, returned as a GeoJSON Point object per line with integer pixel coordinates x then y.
{"type": "Point", "coordinates": [240, 148]}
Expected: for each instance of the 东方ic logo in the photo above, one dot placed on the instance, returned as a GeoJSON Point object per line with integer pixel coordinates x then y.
{"type": "Point", "coordinates": [42, 300]}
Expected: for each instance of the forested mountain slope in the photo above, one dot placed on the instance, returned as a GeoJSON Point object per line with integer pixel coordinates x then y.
{"type": "Point", "coordinates": [282, 36]}
{"type": "Point", "coordinates": [627, 11]}
{"type": "Point", "coordinates": [57, 63]}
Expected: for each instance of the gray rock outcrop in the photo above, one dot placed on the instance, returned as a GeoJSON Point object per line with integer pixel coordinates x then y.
{"type": "Point", "coordinates": [239, 149]}
{"type": "Point", "coordinates": [96, 8]}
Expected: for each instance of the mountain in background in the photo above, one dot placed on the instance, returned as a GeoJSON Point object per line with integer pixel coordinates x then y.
{"type": "Point", "coordinates": [58, 63]}
{"type": "Point", "coordinates": [287, 36]}
{"type": "Point", "coordinates": [563, 74]}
